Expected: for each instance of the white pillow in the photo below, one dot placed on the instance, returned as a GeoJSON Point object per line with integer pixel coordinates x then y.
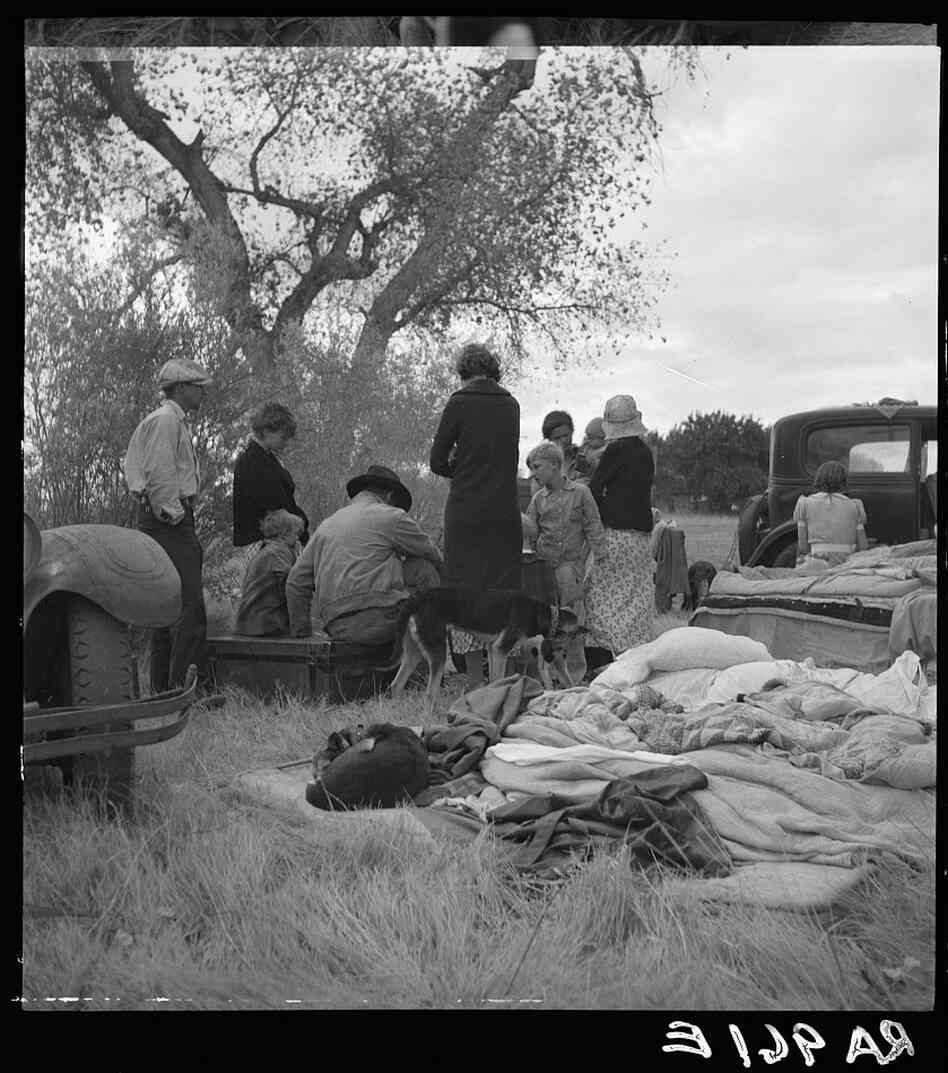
{"type": "Point", "coordinates": [695, 646]}
{"type": "Point", "coordinates": [751, 678]}
{"type": "Point", "coordinates": [632, 667]}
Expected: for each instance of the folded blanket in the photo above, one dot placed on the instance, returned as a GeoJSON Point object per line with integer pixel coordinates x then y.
{"type": "Point", "coordinates": [763, 808]}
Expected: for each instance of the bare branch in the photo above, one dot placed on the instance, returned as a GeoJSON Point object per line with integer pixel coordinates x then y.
{"type": "Point", "coordinates": [269, 195]}
{"type": "Point", "coordinates": [115, 85]}
{"type": "Point", "coordinates": [266, 137]}
{"type": "Point", "coordinates": [534, 312]}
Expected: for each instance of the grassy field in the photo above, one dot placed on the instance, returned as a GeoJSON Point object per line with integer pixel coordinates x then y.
{"type": "Point", "coordinates": [205, 900]}
{"type": "Point", "coordinates": [707, 536]}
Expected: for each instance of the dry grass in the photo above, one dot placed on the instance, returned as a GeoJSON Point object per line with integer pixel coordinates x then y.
{"type": "Point", "coordinates": [206, 900]}
{"type": "Point", "coordinates": [209, 902]}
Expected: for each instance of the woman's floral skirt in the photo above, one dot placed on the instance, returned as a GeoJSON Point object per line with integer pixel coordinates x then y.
{"type": "Point", "coordinates": [620, 599]}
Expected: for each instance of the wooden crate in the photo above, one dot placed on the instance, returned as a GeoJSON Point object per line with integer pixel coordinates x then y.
{"type": "Point", "coordinates": [309, 666]}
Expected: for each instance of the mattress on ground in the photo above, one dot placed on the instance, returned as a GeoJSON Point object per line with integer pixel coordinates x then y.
{"type": "Point", "coordinates": [886, 580]}
{"type": "Point", "coordinates": [834, 634]}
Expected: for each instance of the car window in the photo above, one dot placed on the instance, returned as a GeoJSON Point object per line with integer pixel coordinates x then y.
{"type": "Point", "coordinates": [929, 463]}
{"type": "Point", "coordinates": [861, 448]}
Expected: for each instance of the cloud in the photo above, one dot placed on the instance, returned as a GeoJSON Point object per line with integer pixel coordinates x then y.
{"type": "Point", "coordinates": [799, 191]}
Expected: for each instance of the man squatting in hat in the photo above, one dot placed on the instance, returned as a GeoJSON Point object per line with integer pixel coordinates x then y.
{"type": "Point", "coordinates": [161, 470]}
{"type": "Point", "coordinates": [361, 563]}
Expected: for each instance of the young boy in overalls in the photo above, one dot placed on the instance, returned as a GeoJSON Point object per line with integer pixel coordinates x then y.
{"type": "Point", "coordinates": [562, 524]}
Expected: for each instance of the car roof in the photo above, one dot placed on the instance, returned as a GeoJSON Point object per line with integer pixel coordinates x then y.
{"type": "Point", "coordinates": [892, 409]}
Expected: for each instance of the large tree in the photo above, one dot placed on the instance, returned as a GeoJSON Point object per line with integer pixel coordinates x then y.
{"type": "Point", "coordinates": [402, 185]}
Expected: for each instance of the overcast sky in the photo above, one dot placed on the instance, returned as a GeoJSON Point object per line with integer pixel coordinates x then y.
{"type": "Point", "coordinates": [799, 190]}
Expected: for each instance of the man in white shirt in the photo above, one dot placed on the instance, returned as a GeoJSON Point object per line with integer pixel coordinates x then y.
{"type": "Point", "coordinates": [161, 470]}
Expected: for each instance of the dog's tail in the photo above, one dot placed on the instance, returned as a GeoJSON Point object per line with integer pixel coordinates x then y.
{"type": "Point", "coordinates": [405, 608]}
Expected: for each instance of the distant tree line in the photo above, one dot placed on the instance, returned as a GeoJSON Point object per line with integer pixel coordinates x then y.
{"type": "Point", "coordinates": [710, 462]}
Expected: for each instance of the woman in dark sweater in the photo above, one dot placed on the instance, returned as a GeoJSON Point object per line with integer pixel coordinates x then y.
{"type": "Point", "coordinates": [477, 445]}
{"type": "Point", "coordinates": [261, 481]}
{"type": "Point", "coordinates": [621, 596]}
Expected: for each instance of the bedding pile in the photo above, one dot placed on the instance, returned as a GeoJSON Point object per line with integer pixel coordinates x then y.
{"type": "Point", "coordinates": [862, 613]}
{"type": "Point", "coordinates": [805, 766]}
{"type": "Point", "coordinates": [760, 780]}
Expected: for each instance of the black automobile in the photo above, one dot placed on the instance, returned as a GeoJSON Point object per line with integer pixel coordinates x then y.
{"type": "Point", "coordinates": [890, 449]}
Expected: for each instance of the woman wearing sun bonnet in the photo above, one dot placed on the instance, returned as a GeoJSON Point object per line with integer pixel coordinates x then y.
{"type": "Point", "coordinates": [620, 598]}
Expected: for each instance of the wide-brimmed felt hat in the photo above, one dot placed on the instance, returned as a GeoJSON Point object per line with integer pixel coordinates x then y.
{"type": "Point", "coordinates": [381, 477]}
{"type": "Point", "coordinates": [183, 371]}
{"type": "Point", "coordinates": [621, 417]}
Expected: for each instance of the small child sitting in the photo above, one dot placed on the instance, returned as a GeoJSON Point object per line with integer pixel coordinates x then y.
{"type": "Point", "coordinates": [262, 611]}
{"type": "Point", "coordinates": [562, 524]}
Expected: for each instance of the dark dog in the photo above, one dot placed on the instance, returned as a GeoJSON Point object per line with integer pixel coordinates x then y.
{"type": "Point", "coordinates": [700, 576]}
{"type": "Point", "coordinates": [375, 768]}
{"type": "Point", "coordinates": [503, 618]}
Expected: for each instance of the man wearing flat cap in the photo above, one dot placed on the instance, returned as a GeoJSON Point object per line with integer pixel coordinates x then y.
{"type": "Point", "coordinates": [361, 563]}
{"type": "Point", "coordinates": [161, 470]}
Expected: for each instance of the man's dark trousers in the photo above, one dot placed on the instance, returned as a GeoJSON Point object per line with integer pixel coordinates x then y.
{"type": "Point", "coordinates": [174, 648]}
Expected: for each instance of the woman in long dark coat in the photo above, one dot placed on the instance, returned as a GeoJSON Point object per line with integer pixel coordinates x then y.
{"type": "Point", "coordinates": [477, 445]}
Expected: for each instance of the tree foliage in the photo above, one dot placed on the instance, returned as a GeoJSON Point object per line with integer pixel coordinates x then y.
{"type": "Point", "coordinates": [410, 190]}
{"type": "Point", "coordinates": [718, 458]}
{"type": "Point", "coordinates": [90, 364]}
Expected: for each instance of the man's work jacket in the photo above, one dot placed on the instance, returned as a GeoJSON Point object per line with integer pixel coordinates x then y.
{"type": "Point", "coordinates": [354, 561]}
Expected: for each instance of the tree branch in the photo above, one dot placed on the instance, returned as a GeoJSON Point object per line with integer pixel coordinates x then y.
{"type": "Point", "coordinates": [382, 319]}
{"type": "Point", "coordinates": [115, 85]}
{"type": "Point", "coordinates": [269, 194]}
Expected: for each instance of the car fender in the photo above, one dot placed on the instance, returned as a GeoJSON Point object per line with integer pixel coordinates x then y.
{"type": "Point", "coordinates": [124, 571]}
{"type": "Point", "coordinates": [752, 507]}
{"type": "Point", "coordinates": [773, 542]}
